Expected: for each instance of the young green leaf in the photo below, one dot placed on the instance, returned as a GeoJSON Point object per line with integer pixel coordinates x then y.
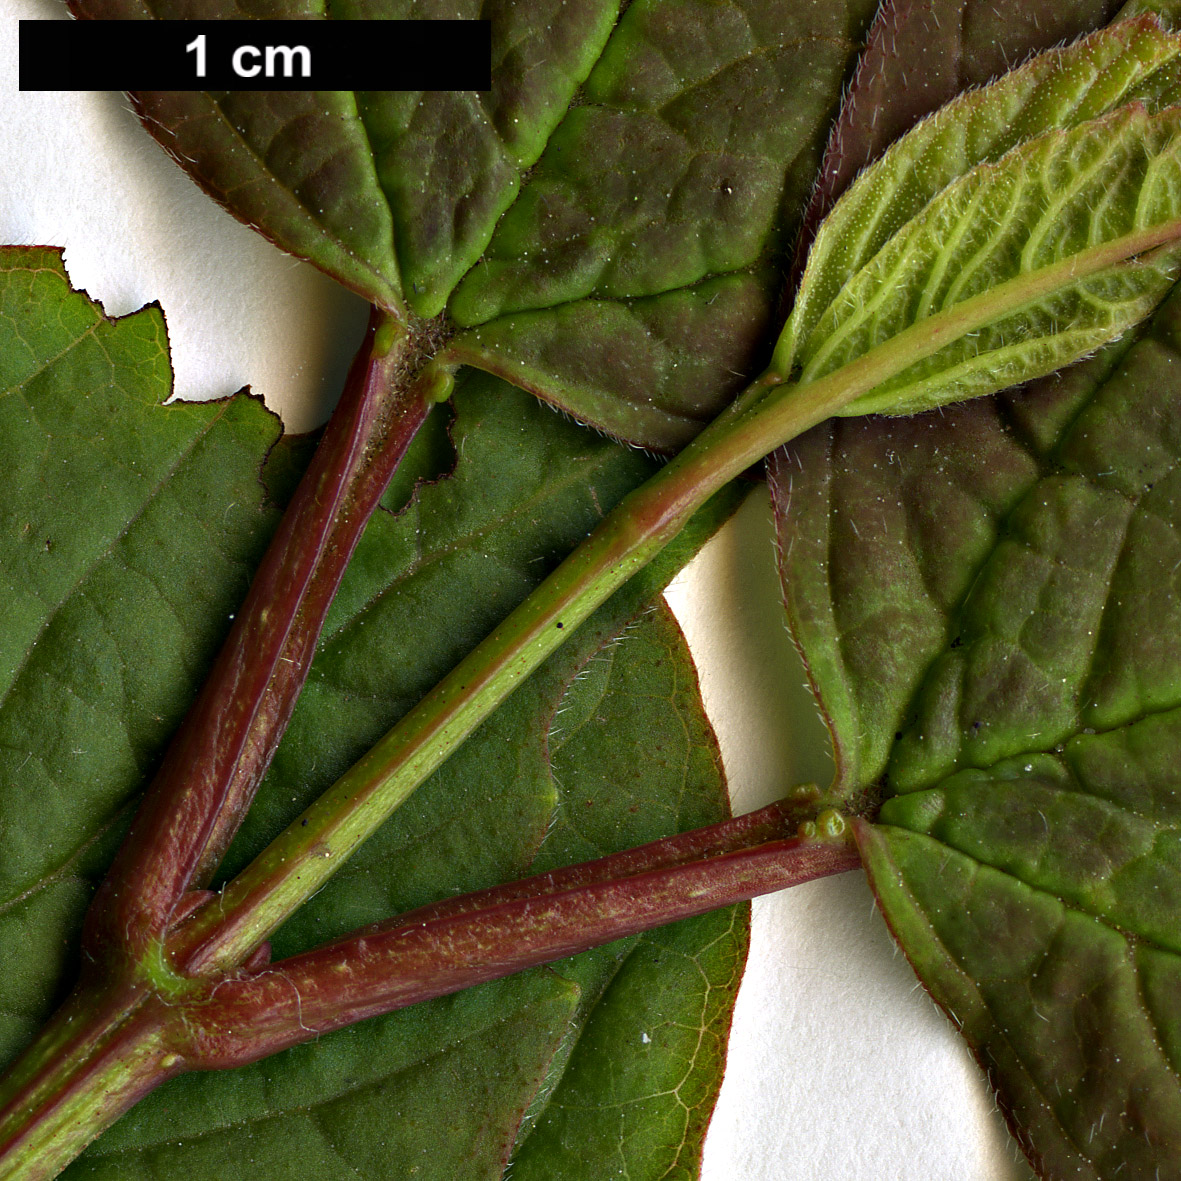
{"type": "Point", "coordinates": [1134, 61]}
{"type": "Point", "coordinates": [1020, 266]}
{"type": "Point", "coordinates": [960, 43]}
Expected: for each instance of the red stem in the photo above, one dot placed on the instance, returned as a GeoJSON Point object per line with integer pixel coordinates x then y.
{"type": "Point", "coordinates": [464, 941]}
{"type": "Point", "coordinates": [108, 1046]}
{"type": "Point", "coordinates": [225, 744]}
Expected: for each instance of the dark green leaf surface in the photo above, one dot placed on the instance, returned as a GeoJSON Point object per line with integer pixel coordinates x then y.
{"type": "Point", "coordinates": [112, 609]}
{"type": "Point", "coordinates": [1018, 687]}
{"type": "Point", "coordinates": [394, 193]}
{"type": "Point", "coordinates": [639, 1086]}
{"type": "Point", "coordinates": [987, 600]}
{"type": "Point", "coordinates": [121, 610]}
{"type": "Point", "coordinates": [603, 220]}
{"type": "Point", "coordinates": [694, 151]}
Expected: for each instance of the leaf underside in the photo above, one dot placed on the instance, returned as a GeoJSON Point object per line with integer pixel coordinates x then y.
{"type": "Point", "coordinates": [987, 600]}
{"type": "Point", "coordinates": [113, 617]}
{"type": "Point", "coordinates": [606, 222]}
{"type": "Point", "coordinates": [1134, 61]}
{"type": "Point", "coordinates": [1072, 200]}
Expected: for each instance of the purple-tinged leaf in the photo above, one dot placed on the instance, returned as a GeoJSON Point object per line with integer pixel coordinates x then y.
{"type": "Point", "coordinates": [986, 600]}
{"type": "Point", "coordinates": [605, 219]}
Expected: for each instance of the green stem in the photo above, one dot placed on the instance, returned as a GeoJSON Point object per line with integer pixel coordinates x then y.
{"type": "Point", "coordinates": [102, 1052]}
{"type": "Point", "coordinates": [308, 853]}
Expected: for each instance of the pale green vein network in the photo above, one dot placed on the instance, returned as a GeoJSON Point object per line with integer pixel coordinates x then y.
{"type": "Point", "coordinates": [979, 126]}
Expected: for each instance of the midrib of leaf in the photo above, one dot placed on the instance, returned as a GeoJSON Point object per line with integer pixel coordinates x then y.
{"type": "Point", "coordinates": [105, 552]}
{"type": "Point", "coordinates": [920, 341]}
{"type": "Point", "coordinates": [842, 779]}
{"type": "Point", "coordinates": [371, 155]}
{"type": "Point", "coordinates": [998, 357]}
{"type": "Point", "coordinates": [399, 239]}
{"type": "Point", "coordinates": [476, 104]}
{"type": "Point", "coordinates": [1007, 298]}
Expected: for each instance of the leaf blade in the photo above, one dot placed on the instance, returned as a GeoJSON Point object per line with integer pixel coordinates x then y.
{"type": "Point", "coordinates": [1029, 886]}
{"type": "Point", "coordinates": [1033, 896]}
{"type": "Point", "coordinates": [1055, 91]}
{"type": "Point", "coordinates": [1065, 1075]}
{"type": "Point", "coordinates": [424, 189]}
{"type": "Point", "coordinates": [1014, 270]}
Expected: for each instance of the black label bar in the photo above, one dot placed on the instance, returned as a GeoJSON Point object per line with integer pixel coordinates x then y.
{"type": "Point", "coordinates": [256, 55]}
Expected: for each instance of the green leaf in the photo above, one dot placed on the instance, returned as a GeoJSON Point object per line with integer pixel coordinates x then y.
{"type": "Point", "coordinates": [961, 43]}
{"type": "Point", "coordinates": [1131, 61]}
{"type": "Point", "coordinates": [995, 652]}
{"type": "Point", "coordinates": [1020, 685]}
{"type": "Point", "coordinates": [968, 611]}
{"type": "Point", "coordinates": [651, 370]}
{"type": "Point", "coordinates": [121, 611]}
{"type": "Point", "coordinates": [1032, 257]}
{"type": "Point", "coordinates": [109, 616]}
{"type": "Point", "coordinates": [606, 220]}
{"type": "Point", "coordinates": [690, 160]}
{"type": "Point", "coordinates": [394, 193]}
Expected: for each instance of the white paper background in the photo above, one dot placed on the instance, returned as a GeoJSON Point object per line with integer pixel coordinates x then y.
{"type": "Point", "coordinates": [840, 1067]}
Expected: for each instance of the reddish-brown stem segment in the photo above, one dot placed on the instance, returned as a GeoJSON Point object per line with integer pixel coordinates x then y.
{"type": "Point", "coordinates": [107, 1048]}
{"type": "Point", "coordinates": [218, 757]}
{"type": "Point", "coordinates": [492, 933]}
{"type": "Point", "coordinates": [776, 822]}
